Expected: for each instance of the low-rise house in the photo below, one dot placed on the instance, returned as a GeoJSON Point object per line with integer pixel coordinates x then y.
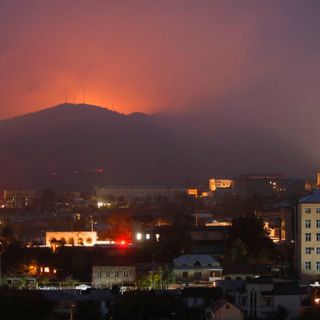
{"type": "Point", "coordinates": [261, 297]}
{"type": "Point", "coordinates": [67, 302]}
{"type": "Point", "coordinates": [197, 269]}
{"type": "Point", "coordinates": [230, 287]}
{"type": "Point", "coordinates": [109, 275]}
{"type": "Point", "coordinates": [224, 310]}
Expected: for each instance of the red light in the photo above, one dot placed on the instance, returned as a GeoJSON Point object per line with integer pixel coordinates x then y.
{"type": "Point", "coordinates": [123, 242]}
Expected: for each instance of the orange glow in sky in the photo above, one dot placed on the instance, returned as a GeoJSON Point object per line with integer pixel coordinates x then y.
{"type": "Point", "coordinates": [154, 56]}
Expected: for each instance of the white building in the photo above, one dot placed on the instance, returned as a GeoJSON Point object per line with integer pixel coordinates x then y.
{"type": "Point", "coordinates": [261, 297]}
{"type": "Point", "coordinates": [308, 236]}
{"type": "Point", "coordinates": [196, 268]}
{"type": "Point", "coordinates": [72, 238]}
{"type": "Point", "coordinates": [138, 193]}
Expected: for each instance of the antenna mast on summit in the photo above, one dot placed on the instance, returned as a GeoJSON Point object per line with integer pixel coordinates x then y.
{"type": "Point", "coordinates": [84, 95]}
{"type": "Point", "coordinates": [66, 95]}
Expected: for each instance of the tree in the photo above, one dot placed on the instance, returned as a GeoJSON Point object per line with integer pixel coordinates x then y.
{"type": "Point", "coordinates": [239, 251]}
{"type": "Point", "coordinates": [159, 279]}
{"type": "Point", "coordinates": [119, 226]}
{"type": "Point", "coordinates": [254, 239]}
{"type": "Point", "coordinates": [281, 313]}
{"type": "Point", "coordinates": [175, 239]}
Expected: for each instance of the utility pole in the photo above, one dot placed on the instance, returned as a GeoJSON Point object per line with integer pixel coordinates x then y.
{"type": "Point", "coordinates": [91, 222]}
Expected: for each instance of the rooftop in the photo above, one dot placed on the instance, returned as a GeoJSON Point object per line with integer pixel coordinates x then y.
{"type": "Point", "coordinates": [196, 260]}
{"type": "Point", "coordinates": [313, 197]}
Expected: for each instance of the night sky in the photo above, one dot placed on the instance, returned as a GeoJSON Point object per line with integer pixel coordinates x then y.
{"type": "Point", "coordinates": [250, 62]}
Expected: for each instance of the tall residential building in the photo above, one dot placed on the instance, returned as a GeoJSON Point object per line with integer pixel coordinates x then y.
{"type": "Point", "coordinates": [308, 236]}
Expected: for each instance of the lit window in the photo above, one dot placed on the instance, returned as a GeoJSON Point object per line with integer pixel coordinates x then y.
{"type": "Point", "coordinates": [307, 210]}
{"type": "Point", "coordinates": [308, 237]}
{"type": "Point", "coordinates": [308, 250]}
{"type": "Point", "coordinates": [307, 265]}
{"type": "Point", "coordinates": [308, 224]}
{"type": "Point", "coordinates": [148, 236]}
{"type": "Point", "coordinates": [139, 236]}
{"type": "Point", "coordinates": [46, 269]}
{"type": "Point", "coordinates": [157, 236]}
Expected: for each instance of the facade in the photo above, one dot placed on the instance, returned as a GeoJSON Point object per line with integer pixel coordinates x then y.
{"type": "Point", "coordinates": [261, 297]}
{"type": "Point", "coordinates": [72, 238]}
{"type": "Point", "coordinates": [19, 199]}
{"type": "Point", "coordinates": [308, 236]}
{"type": "Point", "coordinates": [264, 185]}
{"type": "Point", "coordinates": [197, 269]}
{"type": "Point", "coordinates": [138, 193]}
{"type": "Point", "coordinates": [279, 223]}
{"type": "Point", "coordinates": [108, 276]}
{"type": "Point", "coordinates": [224, 310]}
{"type": "Point", "coordinates": [215, 184]}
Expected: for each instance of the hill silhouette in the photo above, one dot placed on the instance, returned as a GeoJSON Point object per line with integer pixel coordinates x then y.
{"type": "Point", "coordinates": [75, 147]}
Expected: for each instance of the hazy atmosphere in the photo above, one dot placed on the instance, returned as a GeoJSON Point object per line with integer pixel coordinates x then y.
{"type": "Point", "coordinates": [249, 68]}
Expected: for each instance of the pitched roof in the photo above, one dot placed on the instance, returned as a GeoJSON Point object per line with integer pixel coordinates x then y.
{"type": "Point", "coordinates": [313, 197]}
{"type": "Point", "coordinates": [199, 260]}
{"type": "Point", "coordinates": [221, 302]}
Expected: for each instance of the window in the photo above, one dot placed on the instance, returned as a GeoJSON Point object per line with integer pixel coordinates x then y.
{"type": "Point", "coordinates": [126, 273]}
{"type": "Point", "coordinates": [317, 210]}
{"type": "Point", "coordinates": [307, 224]}
{"type": "Point", "coordinates": [307, 265]}
{"type": "Point", "coordinates": [99, 273]}
{"type": "Point", "coordinates": [108, 274]}
{"type": "Point", "coordinates": [318, 265]}
{"type": "Point", "coordinates": [318, 250]}
{"type": "Point", "coordinates": [308, 237]}
{"type": "Point", "coordinates": [185, 274]}
{"type": "Point", "coordinates": [318, 236]}
{"type": "Point", "coordinates": [318, 223]}
{"type": "Point", "coordinates": [308, 250]}
{"type": "Point", "coordinates": [307, 210]}
{"type": "Point", "coordinates": [116, 274]}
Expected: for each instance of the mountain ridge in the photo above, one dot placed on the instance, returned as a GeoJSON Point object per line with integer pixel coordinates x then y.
{"type": "Point", "coordinates": [74, 147]}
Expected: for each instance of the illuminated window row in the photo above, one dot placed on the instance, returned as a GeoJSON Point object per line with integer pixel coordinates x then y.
{"type": "Point", "coordinates": [309, 210]}
{"type": "Point", "coordinates": [308, 237]}
{"type": "Point", "coordinates": [308, 250]}
{"type": "Point", "coordinates": [307, 223]}
{"type": "Point", "coordinates": [308, 265]}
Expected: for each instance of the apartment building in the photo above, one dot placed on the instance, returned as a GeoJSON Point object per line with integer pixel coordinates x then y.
{"type": "Point", "coordinates": [308, 236]}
